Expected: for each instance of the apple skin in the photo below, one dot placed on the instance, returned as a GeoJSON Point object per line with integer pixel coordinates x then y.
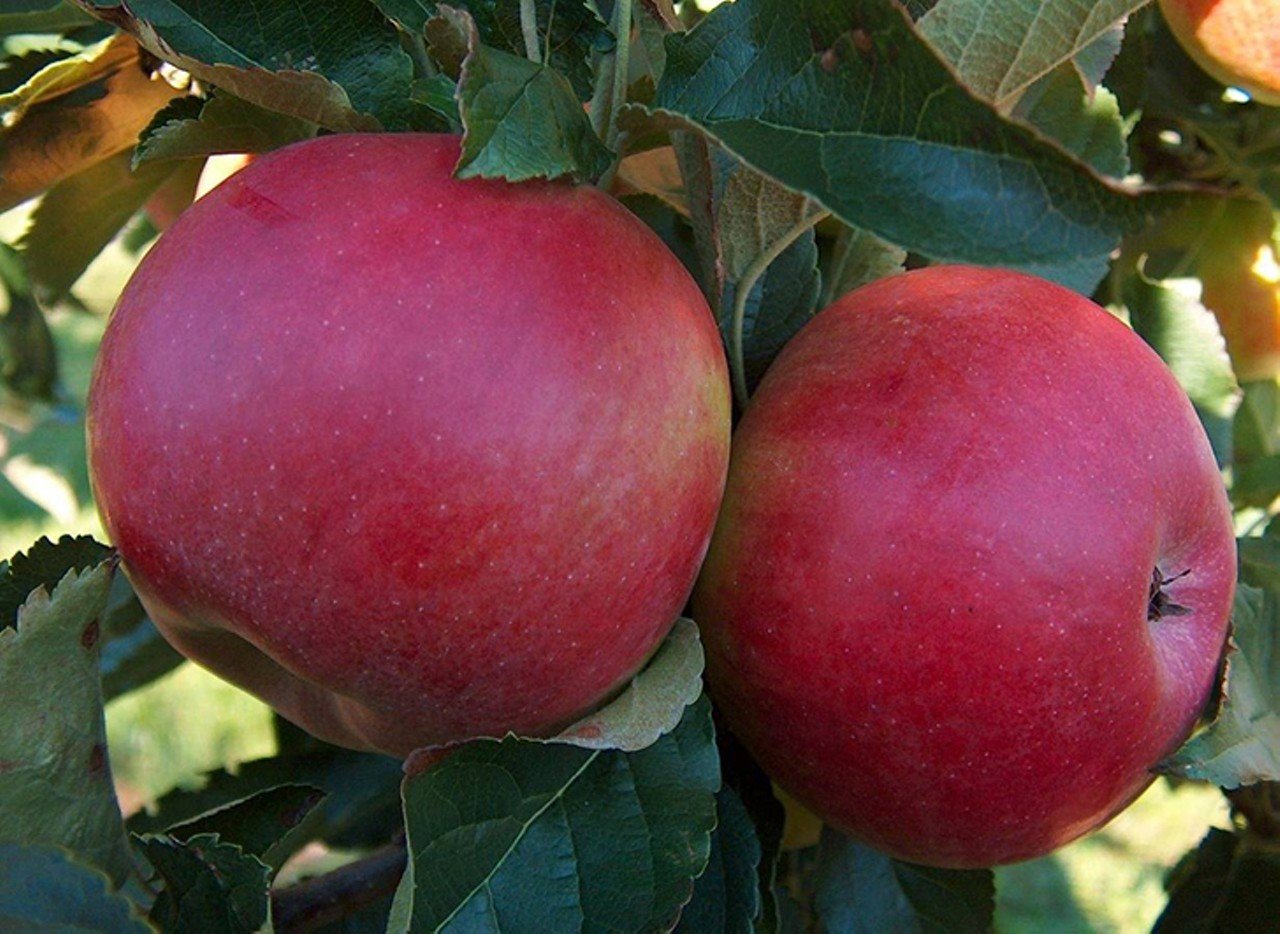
{"type": "Point", "coordinates": [1235, 41]}
{"type": "Point", "coordinates": [925, 606]}
{"type": "Point", "coordinates": [413, 459]}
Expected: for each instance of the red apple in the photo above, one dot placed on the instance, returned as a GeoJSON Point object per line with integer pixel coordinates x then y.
{"type": "Point", "coordinates": [411, 458]}
{"type": "Point", "coordinates": [973, 572]}
{"type": "Point", "coordinates": [1235, 41]}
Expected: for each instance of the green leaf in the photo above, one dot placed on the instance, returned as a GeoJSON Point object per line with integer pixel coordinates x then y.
{"type": "Point", "coordinates": [1000, 49]}
{"type": "Point", "coordinates": [410, 15]}
{"type": "Point", "coordinates": [43, 889]}
{"type": "Point", "coordinates": [1260, 561]}
{"type": "Point", "coordinates": [653, 703]}
{"type": "Point", "coordinates": [1228, 883]}
{"type": "Point", "coordinates": [726, 896]}
{"type": "Point", "coordinates": [552, 837]}
{"type": "Point", "coordinates": [1085, 122]}
{"type": "Point", "coordinates": [1257, 423]}
{"type": "Point", "coordinates": [210, 886]}
{"type": "Point", "coordinates": [257, 824]}
{"type": "Point", "coordinates": [57, 78]}
{"type": "Point", "coordinates": [780, 303]}
{"type": "Point", "coordinates": [859, 889]}
{"type": "Point", "coordinates": [79, 216]}
{"type": "Point", "coordinates": [868, 122]}
{"type": "Point", "coordinates": [55, 786]}
{"type": "Point", "coordinates": [60, 136]}
{"type": "Point", "coordinates": [190, 127]}
{"type": "Point", "coordinates": [43, 17]}
{"type": "Point", "coordinates": [1168, 316]}
{"type": "Point", "coordinates": [133, 651]}
{"type": "Point", "coordinates": [44, 564]}
{"type": "Point", "coordinates": [339, 64]}
{"type": "Point", "coordinates": [1242, 744]}
{"type": "Point", "coordinates": [439, 93]}
{"type": "Point", "coordinates": [28, 356]}
{"type": "Point", "coordinates": [858, 258]}
{"type": "Point", "coordinates": [361, 806]}
{"type": "Point", "coordinates": [522, 120]}
{"type": "Point", "coordinates": [755, 790]}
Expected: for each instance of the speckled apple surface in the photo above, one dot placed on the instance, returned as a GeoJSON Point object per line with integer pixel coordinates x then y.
{"type": "Point", "coordinates": [928, 606]}
{"type": "Point", "coordinates": [413, 459]}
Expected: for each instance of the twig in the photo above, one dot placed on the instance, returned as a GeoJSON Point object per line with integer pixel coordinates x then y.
{"type": "Point", "coordinates": [322, 900]}
{"type": "Point", "coordinates": [529, 26]}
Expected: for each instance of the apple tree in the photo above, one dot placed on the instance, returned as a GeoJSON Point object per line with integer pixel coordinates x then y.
{"type": "Point", "coordinates": [772, 158]}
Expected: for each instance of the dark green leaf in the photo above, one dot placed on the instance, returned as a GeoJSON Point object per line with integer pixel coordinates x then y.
{"type": "Point", "coordinates": [210, 886]}
{"type": "Point", "coordinates": [550, 837]}
{"type": "Point", "coordinates": [1086, 122]}
{"type": "Point", "coordinates": [522, 120]}
{"type": "Point", "coordinates": [338, 64]}
{"type": "Point", "coordinates": [43, 565]}
{"type": "Point", "coordinates": [1228, 883]}
{"type": "Point", "coordinates": [1242, 745]}
{"type": "Point", "coordinates": [55, 786]}
{"type": "Point", "coordinates": [668, 224]}
{"type": "Point", "coordinates": [257, 824]}
{"type": "Point", "coordinates": [42, 16]}
{"type": "Point", "coordinates": [79, 216]}
{"type": "Point", "coordinates": [361, 807]}
{"type": "Point", "coordinates": [439, 93]}
{"type": "Point", "coordinates": [859, 889]}
{"type": "Point", "coordinates": [28, 356]}
{"type": "Point", "coordinates": [43, 889]}
{"type": "Point", "coordinates": [1168, 316]}
{"type": "Point", "coordinates": [868, 121]}
{"type": "Point", "coordinates": [726, 896]}
{"type": "Point", "coordinates": [1260, 562]}
{"type": "Point", "coordinates": [781, 302]}
{"type": "Point", "coordinates": [768, 817]}
{"type": "Point", "coordinates": [1000, 49]}
{"type": "Point", "coordinates": [192, 127]}
{"type": "Point", "coordinates": [410, 15]}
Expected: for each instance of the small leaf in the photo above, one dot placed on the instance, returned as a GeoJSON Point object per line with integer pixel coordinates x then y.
{"type": "Point", "coordinates": [859, 258]}
{"type": "Point", "coordinates": [1168, 316]}
{"type": "Point", "coordinates": [726, 896]}
{"type": "Point", "coordinates": [1000, 49]}
{"type": "Point", "coordinates": [55, 779]}
{"type": "Point", "coordinates": [653, 703]}
{"type": "Point", "coordinates": [43, 889]}
{"type": "Point", "coordinates": [1085, 122]}
{"type": "Point", "coordinates": [79, 216]}
{"type": "Point", "coordinates": [1242, 744]}
{"type": "Point", "coordinates": [44, 564]}
{"type": "Point", "coordinates": [552, 837]}
{"type": "Point", "coordinates": [439, 93]}
{"type": "Point", "coordinates": [1228, 883]}
{"type": "Point", "coordinates": [191, 127]}
{"type": "Point", "coordinates": [860, 889]}
{"type": "Point", "coordinates": [59, 77]}
{"type": "Point", "coordinates": [257, 824]}
{"type": "Point", "coordinates": [210, 886]}
{"type": "Point", "coordinates": [361, 807]}
{"type": "Point", "coordinates": [522, 120]}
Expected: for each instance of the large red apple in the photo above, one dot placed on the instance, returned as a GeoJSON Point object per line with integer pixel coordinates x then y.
{"type": "Point", "coordinates": [972, 576]}
{"type": "Point", "coordinates": [413, 459]}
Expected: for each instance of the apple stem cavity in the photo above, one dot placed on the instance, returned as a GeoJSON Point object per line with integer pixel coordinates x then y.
{"type": "Point", "coordinates": [1158, 603]}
